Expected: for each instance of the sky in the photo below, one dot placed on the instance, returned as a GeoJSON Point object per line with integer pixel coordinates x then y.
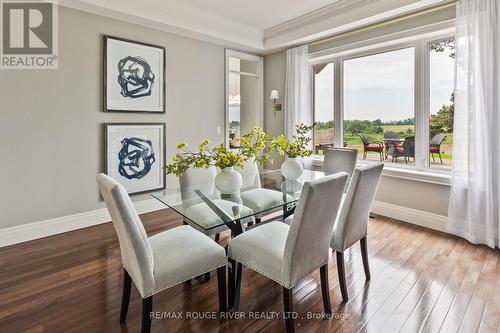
{"type": "Point", "coordinates": [381, 86]}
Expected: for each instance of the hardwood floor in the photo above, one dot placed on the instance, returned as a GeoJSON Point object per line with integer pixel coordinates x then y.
{"type": "Point", "coordinates": [421, 280]}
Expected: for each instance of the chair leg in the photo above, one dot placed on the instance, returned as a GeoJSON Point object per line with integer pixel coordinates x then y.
{"type": "Point", "coordinates": [440, 158]}
{"type": "Point", "coordinates": [433, 160]}
{"type": "Point", "coordinates": [221, 279]}
{"type": "Point", "coordinates": [217, 238]}
{"type": "Point", "coordinates": [237, 287]}
{"type": "Point", "coordinates": [127, 285]}
{"type": "Point", "coordinates": [231, 280]}
{"type": "Point", "coordinates": [147, 308]}
{"type": "Point", "coordinates": [325, 289]}
{"type": "Point", "coordinates": [341, 271]}
{"type": "Point", "coordinates": [258, 220]}
{"type": "Point", "coordinates": [364, 255]}
{"type": "Point", "coordinates": [288, 307]}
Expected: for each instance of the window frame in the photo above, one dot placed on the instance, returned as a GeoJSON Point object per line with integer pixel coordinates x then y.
{"type": "Point", "coordinates": [421, 46]}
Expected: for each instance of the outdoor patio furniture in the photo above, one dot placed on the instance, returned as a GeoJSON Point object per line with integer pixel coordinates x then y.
{"type": "Point", "coordinates": [391, 139]}
{"type": "Point", "coordinates": [406, 150]}
{"type": "Point", "coordinates": [435, 146]}
{"type": "Point", "coordinates": [368, 146]}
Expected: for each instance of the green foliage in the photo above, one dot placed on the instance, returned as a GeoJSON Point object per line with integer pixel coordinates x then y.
{"type": "Point", "coordinates": [298, 147]}
{"type": "Point", "coordinates": [362, 126]}
{"type": "Point", "coordinates": [442, 121]}
{"type": "Point", "coordinates": [442, 45]}
{"type": "Point", "coordinates": [323, 125]}
{"type": "Point", "coordinates": [253, 145]}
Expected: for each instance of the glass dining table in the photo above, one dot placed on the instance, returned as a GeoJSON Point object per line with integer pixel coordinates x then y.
{"type": "Point", "coordinates": [204, 208]}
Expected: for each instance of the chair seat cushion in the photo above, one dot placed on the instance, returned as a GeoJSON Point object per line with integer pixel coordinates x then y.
{"type": "Point", "coordinates": [183, 253]}
{"type": "Point", "coordinates": [207, 218]}
{"type": "Point", "coordinates": [400, 149]}
{"type": "Point", "coordinates": [373, 146]}
{"type": "Point", "coordinates": [262, 249]}
{"type": "Point", "coordinates": [260, 199]}
{"type": "Point", "coordinates": [434, 149]}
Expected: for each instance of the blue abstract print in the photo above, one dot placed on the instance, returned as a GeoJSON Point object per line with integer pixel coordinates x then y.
{"type": "Point", "coordinates": [135, 77]}
{"type": "Point", "coordinates": [136, 158]}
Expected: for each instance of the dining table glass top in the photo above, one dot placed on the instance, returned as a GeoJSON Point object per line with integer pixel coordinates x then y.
{"type": "Point", "coordinates": [205, 207]}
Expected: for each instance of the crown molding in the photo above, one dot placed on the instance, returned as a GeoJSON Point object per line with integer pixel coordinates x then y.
{"type": "Point", "coordinates": [195, 25]}
{"type": "Point", "coordinates": [340, 17]}
{"type": "Point", "coordinates": [336, 8]}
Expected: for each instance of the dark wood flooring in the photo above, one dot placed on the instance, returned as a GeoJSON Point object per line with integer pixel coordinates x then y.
{"type": "Point", "coordinates": [421, 281]}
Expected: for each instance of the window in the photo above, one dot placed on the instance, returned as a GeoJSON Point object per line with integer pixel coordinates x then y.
{"type": "Point", "coordinates": [442, 106]}
{"type": "Point", "coordinates": [323, 107]}
{"type": "Point", "coordinates": [392, 103]}
{"type": "Point", "coordinates": [379, 117]}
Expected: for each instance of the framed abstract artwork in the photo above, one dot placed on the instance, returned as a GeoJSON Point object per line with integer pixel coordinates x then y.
{"type": "Point", "coordinates": [134, 76]}
{"type": "Point", "coordinates": [134, 155]}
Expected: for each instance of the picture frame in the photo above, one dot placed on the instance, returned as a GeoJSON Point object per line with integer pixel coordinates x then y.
{"type": "Point", "coordinates": [134, 155]}
{"type": "Point", "coordinates": [134, 76]}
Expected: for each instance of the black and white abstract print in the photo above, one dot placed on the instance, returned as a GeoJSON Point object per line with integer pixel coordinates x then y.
{"type": "Point", "coordinates": [134, 154]}
{"type": "Point", "coordinates": [135, 158]}
{"type": "Point", "coordinates": [135, 77]}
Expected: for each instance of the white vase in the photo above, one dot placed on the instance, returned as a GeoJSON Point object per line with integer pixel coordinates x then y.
{"type": "Point", "coordinates": [292, 168]}
{"type": "Point", "coordinates": [228, 181]}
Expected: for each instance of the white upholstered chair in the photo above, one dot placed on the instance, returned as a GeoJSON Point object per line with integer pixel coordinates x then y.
{"type": "Point", "coordinates": [340, 160]}
{"type": "Point", "coordinates": [352, 221]}
{"type": "Point", "coordinates": [204, 180]}
{"type": "Point", "coordinates": [161, 261]}
{"type": "Point", "coordinates": [253, 195]}
{"type": "Point", "coordinates": [286, 254]}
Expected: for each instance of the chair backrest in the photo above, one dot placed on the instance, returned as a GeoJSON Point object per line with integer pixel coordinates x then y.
{"type": "Point", "coordinates": [250, 175]}
{"type": "Point", "coordinates": [438, 139]}
{"type": "Point", "coordinates": [307, 245]}
{"type": "Point", "coordinates": [352, 222]}
{"type": "Point", "coordinates": [392, 135]}
{"type": "Point", "coordinates": [365, 141]}
{"type": "Point", "coordinates": [137, 255]}
{"type": "Point", "coordinates": [409, 146]}
{"type": "Point", "coordinates": [197, 179]}
{"type": "Point", "coordinates": [340, 160]}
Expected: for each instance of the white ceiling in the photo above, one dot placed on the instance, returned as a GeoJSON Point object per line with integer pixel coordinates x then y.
{"type": "Point", "coordinates": [260, 14]}
{"type": "Point", "coordinates": [261, 26]}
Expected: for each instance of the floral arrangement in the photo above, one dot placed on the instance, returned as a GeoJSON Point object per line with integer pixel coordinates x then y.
{"type": "Point", "coordinates": [252, 145]}
{"type": "Point", "coordinates": [298, 147]}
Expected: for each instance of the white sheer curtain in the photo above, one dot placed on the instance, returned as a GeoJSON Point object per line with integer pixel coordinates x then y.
{"type": "Point", "coordinates": [475, 195]}
{"type": "Point", "coordinates": [298, 89]}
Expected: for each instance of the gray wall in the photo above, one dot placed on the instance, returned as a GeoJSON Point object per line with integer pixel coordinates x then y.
{"type": "Point", "coordinates": [427, 197]}
{"type": "Point", "coordinates": [51, 128]}
{"type": "Point", "coordinates": [274, 78]}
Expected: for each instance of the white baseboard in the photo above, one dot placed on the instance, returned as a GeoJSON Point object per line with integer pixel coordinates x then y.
{"type": "Point", "coordinates": [40, 229]}
{"type": "Point", "coordinates": [410, 215]}
{"type": "Point", "coordinates": [35, 230]}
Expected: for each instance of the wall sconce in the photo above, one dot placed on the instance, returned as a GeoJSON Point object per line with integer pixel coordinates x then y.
{"type": "Point", "coordinates": [275, 96]}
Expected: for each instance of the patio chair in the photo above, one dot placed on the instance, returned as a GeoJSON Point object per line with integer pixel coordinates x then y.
{"type": "Point", "coordinates": [368, 146]}
{"type": "Point", "coordinates": [435, 146]}
{"type": "Point", "coordinates": [390, 145]}
{"type": "Point", "coordinates": [407, 149]}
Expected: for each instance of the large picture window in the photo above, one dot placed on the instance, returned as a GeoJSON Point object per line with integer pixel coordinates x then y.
{"type": "Point", "coordinates": [392, 104]}
{"type": "Point", "coordinates": [442, 106]}
{"type": "Point", "coordinates": [323, 107]}
{"type": "Point", "coordinates": [379, 117]}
